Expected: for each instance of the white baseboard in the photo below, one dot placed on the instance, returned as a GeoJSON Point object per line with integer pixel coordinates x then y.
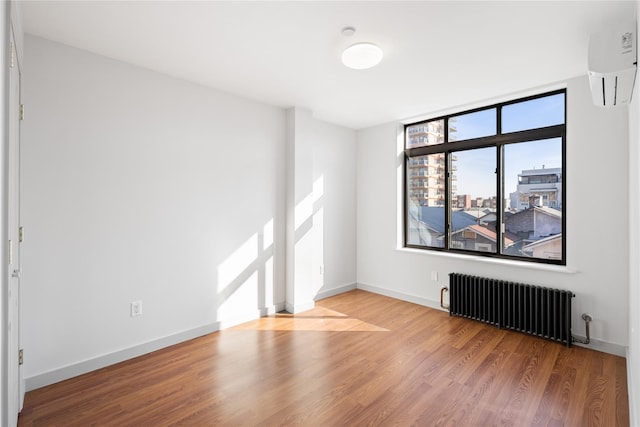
{"type": "Point", "coordinates": [335, 291]}
{"type": "Point", "coordinates": [297, 308]}
{"type": "Point", "coordinates": [83, 367]}
{"type": "Point", "coordinates": [603, 346]}
{"type": "Point", "coordinates": [400, 295]}
{"type": "Point", "coordinates": [300, 307]}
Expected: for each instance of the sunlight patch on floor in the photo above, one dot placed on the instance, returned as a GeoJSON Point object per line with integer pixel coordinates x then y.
{"type": "Point", "coordinates": [318, 319]}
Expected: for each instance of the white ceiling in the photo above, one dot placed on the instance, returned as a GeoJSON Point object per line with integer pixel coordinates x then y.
{"type": "Point", "coordinates": [437, 54]}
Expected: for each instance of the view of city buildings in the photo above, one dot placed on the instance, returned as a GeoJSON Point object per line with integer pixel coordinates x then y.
{"type": "Point", "coordinates": [532, 214]}
{"type": "Point", "coordinates": [545, 184]}
{"type": "Point", "coordinates": [426, 174]}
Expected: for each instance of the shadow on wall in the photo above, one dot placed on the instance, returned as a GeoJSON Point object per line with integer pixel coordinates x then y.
{"type": "Point", "coordinates": [245, 280]}
{"type": "Point", "coordinates": [309, 239]}
{"type": "Point", "coordinates": [247, 275]}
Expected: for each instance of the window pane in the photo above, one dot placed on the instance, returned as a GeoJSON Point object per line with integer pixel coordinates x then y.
{"type": "Point", "coordinates": [473, 195]}
{"type": "Point", "coordinates": [425, 197]}
{"type": "Point", "coordinates": [536, 113]}
{"type": "Point", "coordinates": [472, 125]}
{"type": "Point", "coordinates": [533, 183]}
{"type": "Point", "coordinates": [427, 133]}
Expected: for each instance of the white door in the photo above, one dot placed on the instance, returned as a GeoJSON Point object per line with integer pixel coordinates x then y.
{"type": "Point", "coordinates": [15, 395]}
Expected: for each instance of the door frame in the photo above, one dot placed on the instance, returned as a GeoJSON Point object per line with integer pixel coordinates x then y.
{"type": "Point", "coordinates": [10, 25]}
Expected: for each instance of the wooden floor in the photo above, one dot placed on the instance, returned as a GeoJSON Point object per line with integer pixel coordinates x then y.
{"type": "Point", "coordinates": [356, 359]}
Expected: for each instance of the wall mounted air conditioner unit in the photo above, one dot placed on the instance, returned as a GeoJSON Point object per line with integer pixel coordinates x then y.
{"type": "Point", "coordinates": [612, 65]}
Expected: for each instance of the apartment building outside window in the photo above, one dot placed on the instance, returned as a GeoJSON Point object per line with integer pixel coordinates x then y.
{"type": "Point", "coordinates": [489, 181]}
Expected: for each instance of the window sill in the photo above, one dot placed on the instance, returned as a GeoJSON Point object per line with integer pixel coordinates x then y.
{"type": "Point", "coordinates": [495, 261]}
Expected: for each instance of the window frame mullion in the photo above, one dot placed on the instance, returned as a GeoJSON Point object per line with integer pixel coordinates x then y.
{"type": "Point", "coordinates": [500, 198]}
{"type": "Point", "coordinates": [447, 188]}
{"type": "Point", "coordinates": [499, 184]}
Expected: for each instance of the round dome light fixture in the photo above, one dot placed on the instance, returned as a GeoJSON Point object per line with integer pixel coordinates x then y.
{"type": "Point", "coordinates": [361, 56]}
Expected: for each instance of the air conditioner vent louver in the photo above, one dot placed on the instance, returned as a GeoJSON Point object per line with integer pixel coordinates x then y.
{"type": "Point", "coordinates": [612, 65]}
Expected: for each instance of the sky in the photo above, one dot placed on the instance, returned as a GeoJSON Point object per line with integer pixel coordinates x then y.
{"type": "Point", "coordinates": [476, 168]}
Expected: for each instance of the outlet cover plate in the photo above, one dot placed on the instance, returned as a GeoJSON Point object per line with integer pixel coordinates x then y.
{"type": "Point", "coordinates": [136, 308]}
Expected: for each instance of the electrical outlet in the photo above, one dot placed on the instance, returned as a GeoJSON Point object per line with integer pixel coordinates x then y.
{"type": "Point", "coordinates": [136, 308]}
{"type": "Point", "coordinates": [434, 276]}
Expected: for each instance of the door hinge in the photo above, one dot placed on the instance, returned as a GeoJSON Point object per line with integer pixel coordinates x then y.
{"type": "Point", "coordinates": [21, 111]}
{"type": "Point", "coordinates": [20, 357]}
{"type": "Point", "coordinates": [12, 55]}
{"type": "Point", "coordinates": [21, 234]}
{"type": "Point", "coordinates": [10, 252]}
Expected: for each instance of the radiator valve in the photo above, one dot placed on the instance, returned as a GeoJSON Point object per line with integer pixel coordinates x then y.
{"type": "Point", "coordinates": [442, 291]}
{"type": "Point", "coordinates": [587, 318]}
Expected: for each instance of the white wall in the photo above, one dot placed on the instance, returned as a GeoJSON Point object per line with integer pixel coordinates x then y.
{"type": "Point", "coordinates": [321, 228]}
{"type": "Point", "coordinates": [300, 213]}
{"type": "Point", "coordinates": [334, 186]}
{"type": "Point", "coordinates": [137, 186]}
{"type": "Point", "coordinates": [597, 190]}
{"type": "Point", "coordinates": [633, 356]}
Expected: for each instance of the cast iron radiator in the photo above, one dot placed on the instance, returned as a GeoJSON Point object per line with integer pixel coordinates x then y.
{"type": "Point", "coordinates": [535, 310]}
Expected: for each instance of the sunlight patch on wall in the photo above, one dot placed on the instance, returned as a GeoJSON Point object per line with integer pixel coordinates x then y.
{"type": "Point", "coordinates": [242, 298]}
{"type": "Point", "coordinates": [303, 211]}
{"type": "Point", "coordinates": [318, 188]}
{"type": "Point", "coordinates": [268, 283]}
{"type": "Point", "coordinates": [267, 233]}
{"type": "Point", "coordinates": [241, 259]}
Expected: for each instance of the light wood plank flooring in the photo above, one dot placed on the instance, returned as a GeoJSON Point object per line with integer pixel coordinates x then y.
{"type": "Point", "coordinates": [357, 359]}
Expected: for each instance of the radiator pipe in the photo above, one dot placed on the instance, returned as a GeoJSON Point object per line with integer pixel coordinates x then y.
{"type": "Point", "coordinates": [442, 291]}
{"type": "Point", "coordinates": [586, 340]}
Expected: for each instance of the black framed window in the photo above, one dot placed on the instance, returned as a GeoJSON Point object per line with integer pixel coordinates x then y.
{"type": "Point", "coordinates": [490, 181]}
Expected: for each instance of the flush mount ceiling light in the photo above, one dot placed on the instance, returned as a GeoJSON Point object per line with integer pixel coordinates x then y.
{"type": "Point", "coordinates": [361, 56]}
